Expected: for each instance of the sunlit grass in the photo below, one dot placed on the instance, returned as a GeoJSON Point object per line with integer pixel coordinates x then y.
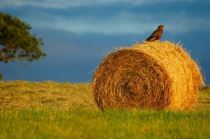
{"type": "Point", "coordinates": [91, 123]}
{"type": "Point", "coordinates": [66, 110]}
{"type": "Point", "coordinates": [16, 95]}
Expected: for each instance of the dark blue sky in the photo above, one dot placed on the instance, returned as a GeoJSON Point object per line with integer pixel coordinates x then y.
{"type": "Point", "coordinates": [77, 34]}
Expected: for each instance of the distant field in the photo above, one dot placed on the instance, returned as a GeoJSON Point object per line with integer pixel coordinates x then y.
{"type": "Point", "coordinates": [29, 95]}
{"type": "Point", "coordinates": [64, 110]}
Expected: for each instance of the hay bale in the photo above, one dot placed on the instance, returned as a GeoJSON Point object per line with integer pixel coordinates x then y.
{"type": "Point", "coordinates": [158, 75]}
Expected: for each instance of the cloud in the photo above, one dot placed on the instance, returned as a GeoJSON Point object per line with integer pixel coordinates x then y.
{"type": "Point", "coordinates": [121, 23]}
{"type": "Point", "coordinates": [61, 4]}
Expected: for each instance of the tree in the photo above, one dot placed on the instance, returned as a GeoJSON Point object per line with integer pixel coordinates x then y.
{"type": "Point", "coordinates": [16, 42]}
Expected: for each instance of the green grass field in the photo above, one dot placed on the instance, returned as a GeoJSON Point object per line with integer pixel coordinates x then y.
{"type": "Point", "coordinates": [64, 110]}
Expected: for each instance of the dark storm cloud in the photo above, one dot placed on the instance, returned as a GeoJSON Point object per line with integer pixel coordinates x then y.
{"type": "Point", "coordinates": [63, 4]}
{"type": "Point", "coordinates": [116, 19]}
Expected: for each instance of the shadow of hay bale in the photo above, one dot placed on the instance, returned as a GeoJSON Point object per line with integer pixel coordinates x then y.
{"type": "Point", "coordinates": [159, 75]}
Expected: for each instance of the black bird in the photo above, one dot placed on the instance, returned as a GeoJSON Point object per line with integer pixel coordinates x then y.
{"type": "Point", "coordinates": [156, 35]}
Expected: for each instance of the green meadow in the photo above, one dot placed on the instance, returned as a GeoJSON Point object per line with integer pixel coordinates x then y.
{"type": "Point", "coordinates": [50, 110]}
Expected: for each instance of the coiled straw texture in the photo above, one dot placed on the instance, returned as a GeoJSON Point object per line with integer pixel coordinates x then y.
{"type": "Point", "coordinates": [158, 75]}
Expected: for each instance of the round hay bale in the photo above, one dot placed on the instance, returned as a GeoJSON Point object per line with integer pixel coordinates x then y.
{"type": "Point", "coordinates": [159, 75]}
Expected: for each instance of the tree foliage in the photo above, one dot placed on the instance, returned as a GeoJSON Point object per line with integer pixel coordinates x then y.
{"type": "Point", "coordinates": [16, 42]}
